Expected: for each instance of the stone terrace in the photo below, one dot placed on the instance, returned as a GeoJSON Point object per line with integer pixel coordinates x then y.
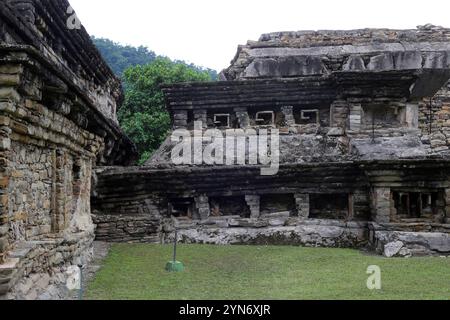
{"type": "Point", "coordinates": [363, 119]}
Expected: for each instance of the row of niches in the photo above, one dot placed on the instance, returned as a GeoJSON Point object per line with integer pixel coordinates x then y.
{"type": "Point", "coordinates": [418, 205]}
{"type": "Point", "coordinates": [270, 117]}
{"type": "Point", "coordinates": [336, 206]}
{"type": "Point", "coordinates": [377, 117]}
{"type": "Point", "coordinates": [366, 118]}
{"type": "Point", "coordinates": [406, 206]}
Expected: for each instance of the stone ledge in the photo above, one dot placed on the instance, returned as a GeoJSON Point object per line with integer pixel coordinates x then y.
{"type": "Point", "coordinates": [8, 271]}
{"type": "Point", "coordinates": [41, 129]}
{"type": "Point", "coordinates": [315, 236]}
{"type": "Point", "coordinates": [414, 243]}
{"type": "Point", "coordinates": [28, 258]}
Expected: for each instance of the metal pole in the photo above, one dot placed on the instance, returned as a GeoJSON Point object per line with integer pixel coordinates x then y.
{"type": "Point", "coordinates": [175, 246]}
{"type": "Point", "coordinates": [431, 115]}
{"type": "Point", "coordinates": [80, 292]}
{"type": "Point", "coordinates": [373, 126]}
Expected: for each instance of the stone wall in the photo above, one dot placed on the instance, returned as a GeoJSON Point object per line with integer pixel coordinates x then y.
{"type": "Point", "coordinates": [30, 192]}
{"type": "Point", "coordinates": [334, 45]}
{"type": "Point", "coordinates": [434, 121]}
{"type": "Point", "coordinates": [278, 229]}
{"type": "Point", "coordinates": [307, 53]}
{"type": "Point", "coordinates": [46, 189]}
{"type": "Point", "coordinates": [308, 38]}
{"type": "Point", "coordinates": [45, 26]}
{"type": "Point", "coordinates": [133, 204]}
{"type": "Point", "coordinates": [398, 239]}
{"type": "Point", "coordinates": [57, 122]}
{"type": "Point", "coordinates": [357, 144]}
{"type": "Point", "coordinates": [49, 190]}
{"type": "Point", "coordinates": [127, 228]}
{"type": "Point", "coordinates": [128, 218]}
{"type": "Point", "coordinates": [39, 269]}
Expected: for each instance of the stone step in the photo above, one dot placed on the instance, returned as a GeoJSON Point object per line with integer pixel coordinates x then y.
{"type": "Point", "coordinates": [7, 272]}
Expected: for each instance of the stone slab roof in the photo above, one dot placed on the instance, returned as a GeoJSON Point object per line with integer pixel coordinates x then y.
{"type": "Point", "coordinates": [290, 54]}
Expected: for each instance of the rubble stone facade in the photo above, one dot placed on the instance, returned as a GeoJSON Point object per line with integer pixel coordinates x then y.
{"type": "Point", "coordinates": [58, 102]}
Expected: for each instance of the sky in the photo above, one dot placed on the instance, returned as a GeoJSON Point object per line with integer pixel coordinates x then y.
{"type": "Point", "coordinates": [207, 32]}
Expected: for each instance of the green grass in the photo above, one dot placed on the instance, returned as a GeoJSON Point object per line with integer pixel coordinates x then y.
{"type": "Point", "coordinates": [248, 272]}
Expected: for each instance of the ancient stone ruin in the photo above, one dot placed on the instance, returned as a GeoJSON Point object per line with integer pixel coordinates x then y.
{"type": "Point", "coordinates": [58, 102]}
{"type": "Point", "coordinates": [364, 123]}
{"type": "Point", "coordinates": [360, 121]}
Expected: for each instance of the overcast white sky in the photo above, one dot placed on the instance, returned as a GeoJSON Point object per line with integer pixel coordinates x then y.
{"type": "Point", "coordinates": [207, 32]}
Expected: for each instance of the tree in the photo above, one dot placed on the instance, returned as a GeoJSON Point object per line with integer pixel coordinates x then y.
{"type": "Point", "coordinates": [121, 57]}
{"type": "Point", "coordinates": [143, 115]}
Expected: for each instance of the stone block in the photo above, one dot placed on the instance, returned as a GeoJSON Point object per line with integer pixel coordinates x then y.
{"type": "Point", "coordinates": [9, 94]}
{"type": "Point", "coordinates": [408, 60]}
{"type": "Point", "coordinates": [4, 120]}
{"type": "Point", "coordinates": [9, 79]}
{"type": "Point", "coordinates": [335, 132]}
{"type": "Point", "coordinates": [4, 280]}
{"type": "Point", "coordinates": [285, 67]}
{"type": "Point", "coordinates": [277, 222]}
{"type": "Point", "coordinates": [5, 143]}
{"type": "Point", "coordinates": [354, 63]}
{"type": "Point", "coordinates": [435, 60]}
{"type": "Point", "coordinates": [392, 248]}
{"type": "Point", "coordinates": [7, 107]}
{"type": "Point", "coordinates": [288, 114]}
{"type": "Point", "coordinates": [10, 69]}
{"type": "Point", "coordinates": [4, 243]}
{"type": "Point", "coordinates": [412, 116]}
{"type": "Point", "coordinates": [180, 115]}
{"type": "Point", "coordinates": [3, 230]}
{"type": "Point", "coordinates": [8, 268]}
{"type": "Point", "coordinates": [204, 213]}
{"type": "Point", "coordinates": [243, 119]}
{"type": "Point", "coordinates": [382, 62]}
{"type": "Point", "coordinates": [303, 206]}
{"type": "Point", "coordinates": [4, 288]}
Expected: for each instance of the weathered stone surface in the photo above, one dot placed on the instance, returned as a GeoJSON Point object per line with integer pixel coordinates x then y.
{"type": "Point", "coordinates": [336, 132]}
{"type": "Point", "coordinates": [405, 253]}
{"type": "Point", "coordinates": [389, 148]}
{"type": "Point", "coordinates": [417, 243]}
{"type": "Point", "coordinates": [348, 46]}
{"type": "Point", "coordinates": [127, 228]}
{"type": "Point", "coordinates": [58, 102]}
{"type": "Point", "coordinates": [436, 60]}
{"type": "Point", "coordinates": [364, 123]}
{"type": "Point", "coordinates": [354, 63]}
{"type": "Point", "coordinates": [391, 249]}
{"type": "Point", "coordinates": [285, 67]}
{"type": "Point", "coordinates": [382, 62]}
{"type": "Point", "coordinates": [408, 60]}
{"type": "Point", "coordinates": [314, 236]}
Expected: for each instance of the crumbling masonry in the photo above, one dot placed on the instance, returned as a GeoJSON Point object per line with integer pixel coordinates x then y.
{"type": "Point", "coordinates": [58, 102]}
{"type": "Point", "coordinates": [364, 122]}
{"type": "Point", "coordinates": [364, 119]}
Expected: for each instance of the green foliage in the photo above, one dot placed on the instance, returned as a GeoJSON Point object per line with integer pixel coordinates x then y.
{"type": "Point", "coordinates": [143, 116]}
{"type": "Point", "coordinates": [120, 57]}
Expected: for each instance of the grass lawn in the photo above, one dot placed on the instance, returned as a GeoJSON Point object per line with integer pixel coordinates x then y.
{"type": "Point", "coordinates": [136, 271]}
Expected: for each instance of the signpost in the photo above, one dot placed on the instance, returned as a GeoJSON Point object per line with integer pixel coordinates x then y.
{"type": "Point", "coordinates": [174, 265]}
{"type": "Point", "coordinates": [81, 290]}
